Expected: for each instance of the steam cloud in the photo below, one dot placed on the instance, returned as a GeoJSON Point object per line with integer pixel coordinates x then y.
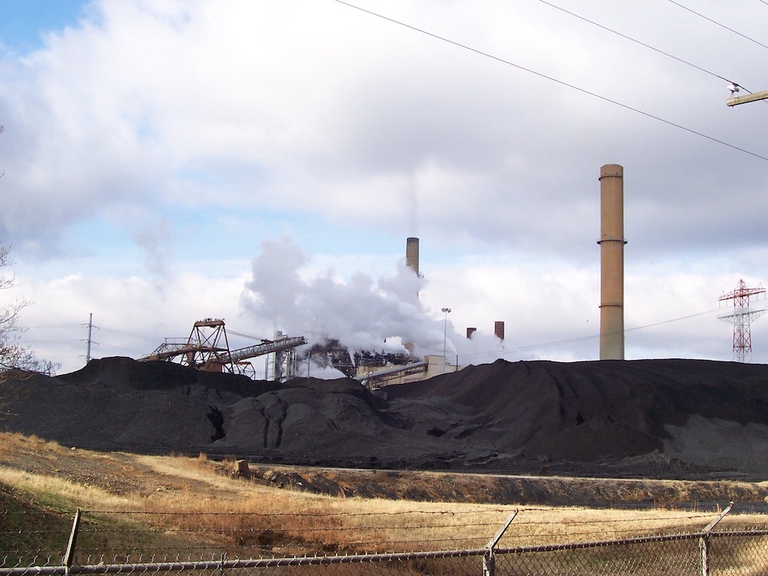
{"type": "Point", "coordinates": [361, 314]}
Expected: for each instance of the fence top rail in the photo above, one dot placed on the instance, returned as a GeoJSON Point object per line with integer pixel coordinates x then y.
{"type": "Point", "coordinates": [599, 543]}
{"type": "Point", "coordinates": [232, 564]}
{"type": "Point", "coordinates": [223, 563]}
{"type": "Point", "coordinates": [748, 532]}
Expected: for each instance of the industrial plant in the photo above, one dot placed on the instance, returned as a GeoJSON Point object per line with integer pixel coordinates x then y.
{"type": "Point", "coordinates": [207, 347]}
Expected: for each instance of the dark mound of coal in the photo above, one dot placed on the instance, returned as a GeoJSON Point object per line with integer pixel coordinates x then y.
{"type": "Point", "coordinates": [647, 417]}
{"type": "Point", "coordinates": [603, 411]}
{"type": "Point", "coordinates": [120, 404]}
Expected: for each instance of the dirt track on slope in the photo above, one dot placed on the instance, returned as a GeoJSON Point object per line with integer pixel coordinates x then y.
{"type": "Point", "coordinates": [124, 474]}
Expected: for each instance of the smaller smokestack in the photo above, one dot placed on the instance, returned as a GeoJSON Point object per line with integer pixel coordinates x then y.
{"type": "Point", "coordinates": [471, 330]}
{"type": "Point", "coordinates": [498, 329]}
{"type": "Point", "coordinates": [412, 254]}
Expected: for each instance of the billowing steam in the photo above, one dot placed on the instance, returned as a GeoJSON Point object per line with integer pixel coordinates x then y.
{"type": "Point", "coordinates": [362, 314]}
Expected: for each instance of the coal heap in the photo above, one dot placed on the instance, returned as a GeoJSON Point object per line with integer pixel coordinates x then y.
{"type": "Point", "coordinates": [662, 418]}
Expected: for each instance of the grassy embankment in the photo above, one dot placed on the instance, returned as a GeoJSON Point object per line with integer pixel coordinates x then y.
{"type": "Point", "coordinates": [142, 507]}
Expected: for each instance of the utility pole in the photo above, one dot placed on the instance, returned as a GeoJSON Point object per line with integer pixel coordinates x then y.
{"type": "Point", "coordinates": [736, 100]}
{"type": "Point", "coordinates": [446, 311]}
{"type": "Point", "coordinates": [90, 338]}
{"type": "Point", "coordinates": [90, 334]}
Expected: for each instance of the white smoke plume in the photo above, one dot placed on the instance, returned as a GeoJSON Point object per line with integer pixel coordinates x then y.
{"type": "Point", "coordinates": [360, 313]}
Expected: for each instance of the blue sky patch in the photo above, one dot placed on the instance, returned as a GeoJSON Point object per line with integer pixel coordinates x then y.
{"type": "Point", "coordinates": [24, 23]}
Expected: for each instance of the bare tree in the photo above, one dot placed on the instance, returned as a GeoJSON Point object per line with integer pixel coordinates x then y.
{"type": "Point", "coordinates": [13, 356]}
{"type": "Point", "coordinates": [16, 361]}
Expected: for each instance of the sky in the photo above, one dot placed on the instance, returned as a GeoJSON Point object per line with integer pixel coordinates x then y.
{"type": "Point", "coordinates": [264, 162]}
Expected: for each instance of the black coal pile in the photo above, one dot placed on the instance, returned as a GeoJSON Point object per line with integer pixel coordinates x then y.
{"type": "Point", "coordinates": [664, 418]}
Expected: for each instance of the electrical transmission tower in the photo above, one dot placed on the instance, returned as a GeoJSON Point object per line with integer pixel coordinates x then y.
{"type": "Point", "coordinates": [90, 337]}
{"type": "Point", "coordinates": [741, 317]}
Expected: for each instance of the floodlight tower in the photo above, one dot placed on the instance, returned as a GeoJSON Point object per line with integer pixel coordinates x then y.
{"type": "Point", "coordinates": [741, 317]}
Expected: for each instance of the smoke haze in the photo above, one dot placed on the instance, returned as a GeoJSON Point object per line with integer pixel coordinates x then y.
{"type": "Point", "coordinates": [360, 313]}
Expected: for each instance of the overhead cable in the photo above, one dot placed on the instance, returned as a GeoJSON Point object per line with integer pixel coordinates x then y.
{"type": "Point", "coordinates": [708, 19]}
{"type": "Point", "coordinates": [244, 335]}
{"type": "Point", "coordinates": [673, 320]}
{"type": "Point", "coordinates": [736, 86]}
{"type": "Point", "coordinates": [641, 43]}
{"type": "Point", "coordinates": [590, 337]}
{"type": "Point", "coordinates": [557, 81]}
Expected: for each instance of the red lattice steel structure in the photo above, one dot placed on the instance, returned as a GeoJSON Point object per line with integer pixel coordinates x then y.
{"type": "Point", "coordinates": [741, 317]}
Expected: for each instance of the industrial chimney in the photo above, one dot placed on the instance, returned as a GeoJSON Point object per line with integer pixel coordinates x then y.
{"type": "Point", "coordinates": [498, 329]}
{"type": "Point", "coordinates": [611, 262]}
{"type": "Point", "coordinates": [471, 330]}
{"type": "Point", "coordinates": [412, 254]}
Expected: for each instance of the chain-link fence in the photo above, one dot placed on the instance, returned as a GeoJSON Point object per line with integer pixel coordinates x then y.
{"type": "Point", "coordinates": [434, 542]}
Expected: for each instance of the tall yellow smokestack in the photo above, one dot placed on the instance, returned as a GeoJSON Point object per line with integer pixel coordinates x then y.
{"type": "Point", "coordinates": [612, 262]}
{"type": "Point", "coordinates": [412, 254]}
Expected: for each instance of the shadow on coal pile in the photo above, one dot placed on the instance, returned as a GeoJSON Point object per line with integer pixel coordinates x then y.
{"type": "Point", "coordinates": [644, 418]}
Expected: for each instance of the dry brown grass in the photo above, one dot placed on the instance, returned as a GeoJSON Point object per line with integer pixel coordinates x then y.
{"type": "Point", "coordinates": [190, 500]}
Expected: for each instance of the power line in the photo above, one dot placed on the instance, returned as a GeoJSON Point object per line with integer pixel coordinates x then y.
{"type": "Point", "coordinates": [708, 19]}
{"type": "Point", "coordinates": [646, 45]}
{"type": "Point", "coordinates": [641, 43]}
{"type": "Point", "coordinates": [589, 337]}
{"type": "Point", "coordinates": [244, 335]}
{"type": "Point", "coordinates": [129, 334]}
{"type": "Point", "coordinates": [69, 326]}
{"type": "Point", "coordinates": [557, 81]}
{"type": "Point", "coordinates": [672, 320]}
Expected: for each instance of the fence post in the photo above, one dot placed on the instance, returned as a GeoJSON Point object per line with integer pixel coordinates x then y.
{"type": "Point", "coordinates": [69, 555]}
{"type": "Point", "coordinates": [489, 558]}
{"type": "Point", "coordinates": [704, 541]}
{"type": "Point", "coordinates": [489, 563]}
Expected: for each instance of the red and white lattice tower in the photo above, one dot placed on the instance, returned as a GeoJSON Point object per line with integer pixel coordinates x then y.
{"type": "Point", "coordinates": [741, 317]}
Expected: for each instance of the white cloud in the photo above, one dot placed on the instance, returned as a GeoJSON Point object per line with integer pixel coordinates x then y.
{"type": "Point", "coordinates": [198, 130]}
{"type": "Point", "coordinates": [132, 315]}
